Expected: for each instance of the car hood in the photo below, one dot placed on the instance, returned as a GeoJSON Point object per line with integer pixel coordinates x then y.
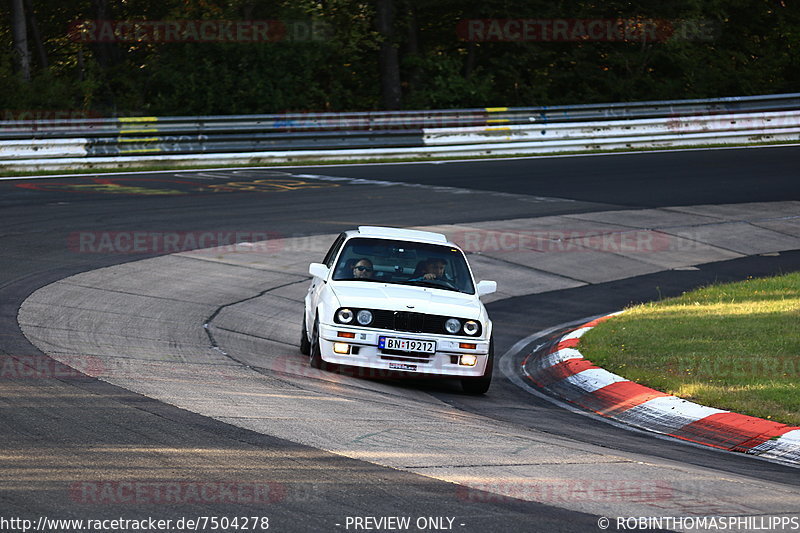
{"type": "Point", "coordinates": [372, 295]}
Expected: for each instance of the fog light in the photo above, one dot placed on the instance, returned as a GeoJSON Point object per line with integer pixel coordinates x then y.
{"type": "Point", "coordinates": [342, 348]}
{"type": "Point", "coordinates": [468, 359]}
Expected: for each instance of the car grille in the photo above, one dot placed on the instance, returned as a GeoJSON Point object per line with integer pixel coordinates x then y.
{"type": "Point", "coordinates": [407, 321]}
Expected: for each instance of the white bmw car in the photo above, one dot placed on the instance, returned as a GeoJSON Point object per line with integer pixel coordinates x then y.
{"type": "Point", "coordinates": [399, 301]}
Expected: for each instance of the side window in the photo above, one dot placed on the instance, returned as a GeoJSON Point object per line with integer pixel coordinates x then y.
{"type": "Point", "coordinates": [331, 255]}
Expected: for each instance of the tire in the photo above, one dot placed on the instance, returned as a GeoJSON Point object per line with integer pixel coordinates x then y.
{"type": "Point", "coordinates": [305, 344]}
{"type": "Point", "coordinates": [316, 360]}
{"type": "Point", "coordinates": [481, 385]}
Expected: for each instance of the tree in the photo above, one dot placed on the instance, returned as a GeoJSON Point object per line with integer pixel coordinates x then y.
{"type": "Point", "coordinates": [19, 32]}
{"type": "Point", "coordinates": [37, 36]}
{"type": "Point", "coordinates": [389, 62]}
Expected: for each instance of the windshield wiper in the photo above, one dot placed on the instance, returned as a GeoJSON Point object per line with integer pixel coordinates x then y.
{"type": "Point", "coordinates": [433, 284]}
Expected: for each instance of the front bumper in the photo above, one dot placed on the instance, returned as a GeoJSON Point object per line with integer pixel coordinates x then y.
{"type": "Point", "coordinates": [365, 353]}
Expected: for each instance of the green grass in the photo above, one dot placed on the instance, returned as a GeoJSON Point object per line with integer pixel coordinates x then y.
{"type": "Point", "coordinates": [734, 346]}
{"type": "Point", "coordinates": [300, 162]}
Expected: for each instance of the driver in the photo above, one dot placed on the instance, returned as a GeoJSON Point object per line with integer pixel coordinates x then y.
{"type": "Point", "coordinates": [434, 270]}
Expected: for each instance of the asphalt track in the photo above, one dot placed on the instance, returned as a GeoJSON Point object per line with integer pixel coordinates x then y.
{"type": "Point", "coordinates": [60, 431]}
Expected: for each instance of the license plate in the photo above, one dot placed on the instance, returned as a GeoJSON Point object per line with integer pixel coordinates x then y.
{"type": "Point", "coordinates": [406, 345]}
{"type": "Point", "coordinates": [403, 366]}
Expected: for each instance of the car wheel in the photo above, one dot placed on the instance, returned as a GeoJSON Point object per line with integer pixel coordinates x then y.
{"type": "Point", "coordinates": [481, 385]}
{"type": "Point", "coordinates": [316, 360]}
{"type": "Point", "coordinates": [305, 344]}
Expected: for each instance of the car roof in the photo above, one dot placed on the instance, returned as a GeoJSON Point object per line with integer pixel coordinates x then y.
{"type": "Point", "coordinates": [401, 234]}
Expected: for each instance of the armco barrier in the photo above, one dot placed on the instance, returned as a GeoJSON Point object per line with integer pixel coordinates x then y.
{"type": "Point", "coordinates": [264, 139]}
{"type": "Point", "coordinates": [723, 125]}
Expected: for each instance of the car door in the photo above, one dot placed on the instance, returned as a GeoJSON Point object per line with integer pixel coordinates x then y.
{"type": "Point", "coordinates": [318, 285]}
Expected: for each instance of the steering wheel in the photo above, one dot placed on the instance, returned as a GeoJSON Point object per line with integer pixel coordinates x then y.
{"type": "Point", "coordinates": [446, 283]}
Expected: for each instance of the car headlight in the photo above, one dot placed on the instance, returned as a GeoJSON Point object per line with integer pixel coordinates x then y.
{"type": "Point", "coordinates": [344, 316]}
{"type": "Point", "coordinates": [364, 317]}
{"type": "Point", "coordinates": [452, 326]}
{"type": "Point", "coordinates": [471, 327]}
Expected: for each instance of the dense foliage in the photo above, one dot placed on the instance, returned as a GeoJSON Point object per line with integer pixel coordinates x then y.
{"type": "Point", "coordinates": [743, 47]}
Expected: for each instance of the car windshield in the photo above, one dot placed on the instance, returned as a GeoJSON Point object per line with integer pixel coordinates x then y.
{"type": "Point", "coordinates": [404, 263]}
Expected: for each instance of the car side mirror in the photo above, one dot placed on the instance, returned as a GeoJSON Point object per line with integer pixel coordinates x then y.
{"type": "Point", "coordinates": [486, 287]}
{"type": "Point", "coordinates": [318, 270]}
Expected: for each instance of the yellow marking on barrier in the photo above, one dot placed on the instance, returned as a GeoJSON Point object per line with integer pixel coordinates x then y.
{"type": "Point", "coordinates": [138, 139]}
{"type": "Point", "coordinates": [146, 130]}
{"type": "Point", "coordinates": [499, 128]}
{"type": "Point", "coordinates": [497, 120]}
{"type": "Point", "coordinates": [496, 109]}
{"type": "Point", "coordinates": [138, 119]}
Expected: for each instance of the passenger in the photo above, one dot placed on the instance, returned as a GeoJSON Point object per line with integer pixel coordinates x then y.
{"type": "Point", "coordinates": [363, 269]}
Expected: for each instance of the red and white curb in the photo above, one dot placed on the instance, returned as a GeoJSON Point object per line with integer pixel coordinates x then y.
{"type": "Point", "coordinates": [564, 372]}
